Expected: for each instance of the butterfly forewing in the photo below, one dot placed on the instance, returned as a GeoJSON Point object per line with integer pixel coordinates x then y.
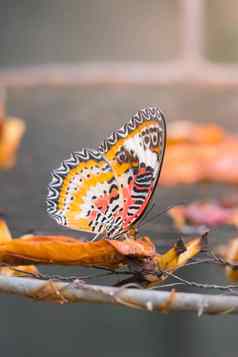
{"type": "Point", "coordinates": [135, 153]}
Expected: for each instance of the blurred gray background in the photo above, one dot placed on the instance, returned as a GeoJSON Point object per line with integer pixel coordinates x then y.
{"type": "Point", "coordinates": [61, 120]}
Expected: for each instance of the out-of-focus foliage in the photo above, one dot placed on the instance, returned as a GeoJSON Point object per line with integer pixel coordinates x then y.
{"type": "Point", "coordinates": [209, 213]}
{"type": "Point", "coordinates": [199, 153]}
{"type": "Point", "coordinates": [11, 132]}
{"type": "Point", "coordinates": [229, 253]}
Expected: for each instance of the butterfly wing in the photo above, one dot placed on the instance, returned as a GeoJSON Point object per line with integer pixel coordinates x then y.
{"type": "Point", "coordinates": [108, 189]}
{"type": "Point", "coordinates": [135, 153]}
{"type": "Point", "coordinates": [84, 194]}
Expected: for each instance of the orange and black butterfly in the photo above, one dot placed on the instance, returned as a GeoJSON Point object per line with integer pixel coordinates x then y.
{"type": "Point", "coordinates": [105, 191]}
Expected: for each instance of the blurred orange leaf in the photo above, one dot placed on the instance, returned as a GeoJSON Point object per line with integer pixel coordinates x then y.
{"type": "Point", "coordinates": [20, 270]}
{"type": "Point", "coordinates": [5, 237]}
{"type": "Point", "coordinates": [11, 132]}
{"type": "Point", "coordinates": [229, 253]}
{"type": "Point", "coordinates": [186, 132]}
{"type": "Point", "coordinates": [1, 124]}
{"type": "Point", "coordinates": [5, 234]}
{"type": "Point", "coordinates": [199, 153]}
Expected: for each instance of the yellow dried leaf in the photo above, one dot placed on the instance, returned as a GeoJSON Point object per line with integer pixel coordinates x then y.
{"type": "Point", "coordinates": [11, 134]}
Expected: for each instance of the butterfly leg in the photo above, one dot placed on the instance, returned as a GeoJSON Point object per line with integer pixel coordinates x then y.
{"type": "Point", "coordinates": [131, 233]}
{"type": "Point", "coordinates": [96, 237]}
{"type": "Point", "coordinates": [100, 235]}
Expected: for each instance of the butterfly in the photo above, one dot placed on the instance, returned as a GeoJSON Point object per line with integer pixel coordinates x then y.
{"type": "Point", "coordinates": [107, 190]}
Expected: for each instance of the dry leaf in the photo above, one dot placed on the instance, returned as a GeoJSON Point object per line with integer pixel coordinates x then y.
{"type": "Point", "coordinates": [48, 292]}
{"type": "Point", "coordinates": [20, 270]}
{"type": "Point", "coordinates": [166, 306]}
{"type": "Point", "coordinates": [174, 259]}
{"type": "Point", "coordinates": [70, 251]}
{"type": "Point", "coordinates": [110, 254]}
{"type": "Point", "coordinates": [137, 248]}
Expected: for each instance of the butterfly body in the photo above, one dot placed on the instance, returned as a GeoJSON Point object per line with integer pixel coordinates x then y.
{"type": "Point", "coordinates": [105, 191]}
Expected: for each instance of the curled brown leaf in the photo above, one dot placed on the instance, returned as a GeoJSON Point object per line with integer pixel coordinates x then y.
{"type": "Point", "coordinates": [64, 250]}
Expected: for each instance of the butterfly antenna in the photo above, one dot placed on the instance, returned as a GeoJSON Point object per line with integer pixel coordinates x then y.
{"type": "Point", "coordinates": [151, 219]}
{"type": "Point", "coordinates": [149, 209]}
{"type": "Point", "coordinates": [142, 223]}
{"type": "Point", "coordinates": [95, 237]}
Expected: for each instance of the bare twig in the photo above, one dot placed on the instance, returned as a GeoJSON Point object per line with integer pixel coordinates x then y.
{"type": "Point", "coordinates": [143, 299]}
{"type": "Point", "coordinates": [219, 260]}
{"type": "Point", "coordinates": [230, 288]}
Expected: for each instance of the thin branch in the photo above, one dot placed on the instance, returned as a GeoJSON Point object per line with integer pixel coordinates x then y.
{"type": "Point", "coordinates": [221, 261]}
{"type": "Point", "coordinates": [150, 300]}
{"type": "Point", "coordinates": [230, 288]}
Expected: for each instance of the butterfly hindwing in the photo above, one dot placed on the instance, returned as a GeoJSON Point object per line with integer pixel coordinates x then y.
{"type": "Point", "coordinates": [84, 194]}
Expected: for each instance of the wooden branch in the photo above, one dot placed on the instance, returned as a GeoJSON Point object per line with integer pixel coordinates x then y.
{"type": "Point", "coordinates": [114, 74]}
{"type": "Point", "coordinates": [192, 26]}
{"type": "Point", "coordinates": [150, 300]}
{"type": "Point", "coordinates": [91, 74]}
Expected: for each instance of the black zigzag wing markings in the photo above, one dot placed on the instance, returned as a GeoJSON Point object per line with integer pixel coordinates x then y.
{"type": "Point", "coordinates": [102, 221]}
{"type": "Point", "coordinates": [58, 176]}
